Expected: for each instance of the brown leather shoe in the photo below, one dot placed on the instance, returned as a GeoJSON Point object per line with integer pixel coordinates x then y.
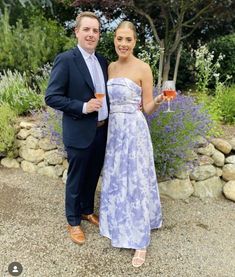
{"type": "Point", "coordinates": [92, 218]}
{"type": "Point", "coordinates": [76, 234]}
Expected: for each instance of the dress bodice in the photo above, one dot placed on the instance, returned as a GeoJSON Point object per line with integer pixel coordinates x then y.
{"type": "Point", "coordinates": [124, 95]}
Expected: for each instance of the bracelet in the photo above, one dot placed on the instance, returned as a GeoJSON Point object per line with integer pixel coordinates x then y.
{"type": "Point", "coordinates": [156, 102]}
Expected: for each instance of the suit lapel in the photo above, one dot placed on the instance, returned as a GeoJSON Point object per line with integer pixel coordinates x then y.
{"type": "Point", "coordinates": [81, 64]}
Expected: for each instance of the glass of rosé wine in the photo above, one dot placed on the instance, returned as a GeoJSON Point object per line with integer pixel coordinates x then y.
{"type": "Point", "coordinates": [169, 92]}
{"type": "Point", "coordinates": [99, 94]}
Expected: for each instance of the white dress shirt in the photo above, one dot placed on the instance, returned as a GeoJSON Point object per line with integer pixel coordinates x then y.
{"type": "Point", "coordinates": [90, 59]}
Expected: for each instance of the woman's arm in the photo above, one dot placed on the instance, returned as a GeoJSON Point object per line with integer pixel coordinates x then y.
{"type": "Point", "coordinates": [150, 104]}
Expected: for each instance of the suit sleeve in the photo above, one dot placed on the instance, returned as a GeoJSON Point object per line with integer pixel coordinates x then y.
{"type": "Point", "coordinates": [56, 93]}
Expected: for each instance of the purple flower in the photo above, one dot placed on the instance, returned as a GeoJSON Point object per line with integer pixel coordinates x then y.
{"type": "Point", "coordinates": [174, 134]}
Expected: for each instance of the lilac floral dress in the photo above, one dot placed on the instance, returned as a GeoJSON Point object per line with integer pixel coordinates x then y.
{"type": "Point", "coordinates": [130, 204]}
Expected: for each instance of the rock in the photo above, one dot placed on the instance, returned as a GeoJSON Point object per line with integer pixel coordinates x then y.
{"type": "Point", "coordinates": [219, 172]}
{"type": "Point", "coordinates": [211, 187]}
{"type": "Point", "coordinates": [36, 132]}
{"type": "Point", "coordinates": [23, 134]}
{"type": "Point", "coordinates": [31, 142]}
{"type": "Point", "coordinates": [59, 169]}
{"type": "Point", "coordinates": [232, 143]}
{"type": "Point", "coordinates": [230, 159]}
{"type": "Point", "coordinates": [31, 155]}
{"type": "Point", "coordinates": [229, 190]}
{"type": "Point", "coordinates": [203, 172]}
{"type": "Point", "coordinates": [218, 158]}
{"type": "Point", "coordinates": [203, 160]}
{"type": "Point", "coordinates": [48, 171]}
{"type": "Point", "coordinates": [229, 172]}
{"type": "Point", "coordinates": [10, 163]}
{"type": "Point", "coordinates": [222, 145]}
{"type": "Point", "coordinates": [19, 143]}
{"type": "Point", "coordinates": [182, 174]}
{"type": "Point", "coordinates": [208, 150]}
{"type": "Point", "coordinates": [28, 166]}
{"type": "Point", "coordinates": [65, 164]}
{"type": "Point", "coordinates": [53, 157]}
{"type": "Point", "coordinates": [46, 144]}
{"type": "Point", "coordinates": [64, 177]}
{"type": "Point", "coordinates": [201, 142]}
{"type": "Point", "coordinates": [176, 189]}
{"type": "Point", "coordinates": [26, 125]}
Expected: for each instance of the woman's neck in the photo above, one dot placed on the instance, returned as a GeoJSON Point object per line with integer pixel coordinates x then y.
{"type": "Point", "coordinates": [126, 60]}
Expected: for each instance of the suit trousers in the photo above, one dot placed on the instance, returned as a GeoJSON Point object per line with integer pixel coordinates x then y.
{"type": "Point", "coordinates": [84, 169]}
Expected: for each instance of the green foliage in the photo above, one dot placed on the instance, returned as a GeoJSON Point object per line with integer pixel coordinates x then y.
{"type": "Point", "coordinates": [150, 53]}
{"type": "Point", "coordinates": [27, 49]}
{"type": "Point", "coordinates": [228, 105]}
{"type": "Point", "coordinates": [106, 46]}
{"type": "Point", "coordinates": [7, 130]}
{"type": "Point", "coordinates": [221, 106]}
{"type": "Point", "coordinates": [40, 80]}
{"type": "Point", "coordinates": [15, 92]}
{"type": "Point", "coordinates": [225, 45]}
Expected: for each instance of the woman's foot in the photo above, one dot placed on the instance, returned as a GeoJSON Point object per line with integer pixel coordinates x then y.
{"type": "Point", "coordinates": [139, 257]}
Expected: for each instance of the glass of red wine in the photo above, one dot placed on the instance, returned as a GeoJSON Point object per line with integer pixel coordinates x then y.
{"type": "Point", "coordinates": [169, 92]}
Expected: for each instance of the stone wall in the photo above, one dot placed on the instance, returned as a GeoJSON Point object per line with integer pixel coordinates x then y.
{"type": "Point", "coordinates": [213, 175]}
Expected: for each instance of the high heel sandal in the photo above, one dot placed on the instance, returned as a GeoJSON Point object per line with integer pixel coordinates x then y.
{"type": "Point", "coordinates": [139, 257]}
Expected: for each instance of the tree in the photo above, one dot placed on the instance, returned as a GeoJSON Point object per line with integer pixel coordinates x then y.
{"type": "Point", "coordinates": [171, 21]}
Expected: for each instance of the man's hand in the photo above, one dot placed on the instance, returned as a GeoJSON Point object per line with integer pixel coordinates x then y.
{"type": "Point", "coordinates": [93, 105]}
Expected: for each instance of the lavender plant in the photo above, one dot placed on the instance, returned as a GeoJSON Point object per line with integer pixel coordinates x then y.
{"type": "Point", "coordinates": [52, 126]}
{"type": "Point", "coordinates": [175, 134]}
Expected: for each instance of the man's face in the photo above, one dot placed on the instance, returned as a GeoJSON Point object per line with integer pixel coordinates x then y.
{"type": "Point", "coordinates": [88, 34]}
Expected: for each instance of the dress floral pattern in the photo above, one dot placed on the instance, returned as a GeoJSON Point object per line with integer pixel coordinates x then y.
{"type": "Point", "coordinates": [130, 203]}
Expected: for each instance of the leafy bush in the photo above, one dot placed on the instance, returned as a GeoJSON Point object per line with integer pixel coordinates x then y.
{"type": "Point", "coordinates": [225, 45]}
{"type": "Point", "coordinates": [227, 104]}
{"type": "Point", "coordinates": [27, 49]}
{"type": "Point", "coordinates": [41, 79]}
{"type": "Point", "coordinates": [15, 92]}
{"type": "Point", "coordinates": [175, 134]}
{"type": "Point", "coordinates": [7, 130]}
{"type": "Point", "coordinates": [150, 54]}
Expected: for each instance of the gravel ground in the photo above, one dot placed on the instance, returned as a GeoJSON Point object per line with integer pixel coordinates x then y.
{"type": "Point", "coordinates": [197, 237]}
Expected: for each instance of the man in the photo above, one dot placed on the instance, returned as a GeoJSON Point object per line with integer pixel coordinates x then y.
{"type": "Point", "coordinates": [71, 89]}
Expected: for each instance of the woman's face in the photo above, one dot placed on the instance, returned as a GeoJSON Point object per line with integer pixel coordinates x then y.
{"type": "Point", "coordinates": [124, 42]}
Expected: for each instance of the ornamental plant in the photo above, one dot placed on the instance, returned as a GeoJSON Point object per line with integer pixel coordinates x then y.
{"type": "Point", "coordinates": [7, 130]}
{"type": "Point", "coordinates": [175, 134]}
{"type": "Point", "coordinates": [15, 91]}
{"type": "Point", "coordinates": [52, 126]}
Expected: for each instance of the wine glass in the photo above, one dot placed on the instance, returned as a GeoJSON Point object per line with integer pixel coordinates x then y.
{"type": "Point", "coordinates": [169, 92]}
{"type": "Point", "coordinates": [99, 94]}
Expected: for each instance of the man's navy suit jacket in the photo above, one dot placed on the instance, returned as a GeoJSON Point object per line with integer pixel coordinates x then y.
{"type": "Point", "coordinates": [70, 85]}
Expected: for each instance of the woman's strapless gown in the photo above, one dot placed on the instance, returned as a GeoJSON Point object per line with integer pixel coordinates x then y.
{"type": "Point", "coordinates": [130, 204]}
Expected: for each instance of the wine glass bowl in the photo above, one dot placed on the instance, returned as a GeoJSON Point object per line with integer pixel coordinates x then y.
{"type": "Point", "coordinates": [169, 92]}
{"type": "Point", "coordinates": [99, 95]}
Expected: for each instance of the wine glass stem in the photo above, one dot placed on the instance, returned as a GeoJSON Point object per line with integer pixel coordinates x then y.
{"type": "Point", "coordinates": [169, 106]}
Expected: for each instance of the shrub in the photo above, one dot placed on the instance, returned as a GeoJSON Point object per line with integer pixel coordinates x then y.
{"type": "Point", "coordinates": [227, 105]}
{"type": "Point", "coordinates": [7, 130]}
{"type": "Point", "coordinates": [27, 49]}
{"type": "Point", "coordinates": [175, 134]}
{"type": "Point", "coordinates": [225, 45]}
{"type": "Point", "coordinates": [15, 92]}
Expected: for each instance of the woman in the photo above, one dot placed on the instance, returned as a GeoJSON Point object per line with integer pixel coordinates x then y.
{"type": "Point", "coordinates": [130, 204]}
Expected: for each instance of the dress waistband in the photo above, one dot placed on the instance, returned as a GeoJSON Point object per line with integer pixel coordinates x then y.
{"type": "Point", "coordinates": [124, 108]}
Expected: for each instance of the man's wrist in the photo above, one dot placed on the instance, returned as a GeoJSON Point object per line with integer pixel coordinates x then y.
{"type": "Point", "coordinates": [84, 110]}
